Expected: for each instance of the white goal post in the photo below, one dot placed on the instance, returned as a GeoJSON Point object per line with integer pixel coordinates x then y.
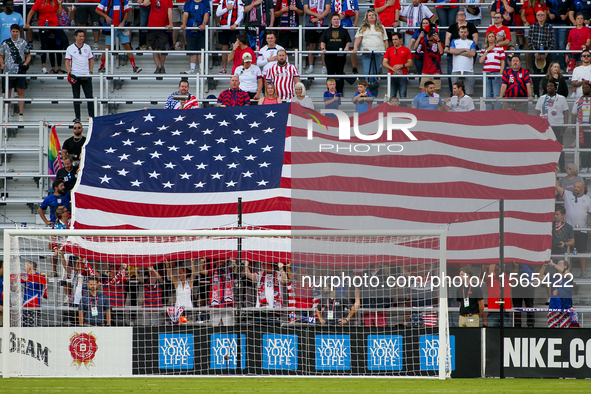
{"type": "Point", "coordinates": [263, 302]}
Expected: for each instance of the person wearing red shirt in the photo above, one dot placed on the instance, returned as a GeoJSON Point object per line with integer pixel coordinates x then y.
{"type": "Point", "coordinates": [397, 60]}
{"type": "Point", "coordinates": [389, 14]}
{"type": "Point", "coordinates": [48, 11]}
{"type": "Point", "coordinates": [529, 11]}
{"type": "Point", "coordinates": [160, 16]}
{"type": "Point", "coordinates": [493, 281]}
{"type": "Point", "coordinates": [240, 48]}
{"type": "Point", "coordinates": [501, 31]}
{"type": "Point", "coordinates": [579, 38]}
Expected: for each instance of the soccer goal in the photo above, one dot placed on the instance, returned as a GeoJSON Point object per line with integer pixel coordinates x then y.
{"type": "Point", "coordinates": [237, 302]}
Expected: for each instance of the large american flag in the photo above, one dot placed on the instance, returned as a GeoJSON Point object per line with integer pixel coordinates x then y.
{"type": "Point", "coordinates": [177, 170]}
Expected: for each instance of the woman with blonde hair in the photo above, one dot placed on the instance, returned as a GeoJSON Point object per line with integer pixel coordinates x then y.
{"type": "Point", "coordinates": [556, 76]}
{"type": "Point", "coordinates": [270, 96]}
{"type": "Point", "coordinates": [493, 59]}
{"type": "Point", "coordinates": [371, 36]}
{"type": "Point", "coordinates": [301, 98]}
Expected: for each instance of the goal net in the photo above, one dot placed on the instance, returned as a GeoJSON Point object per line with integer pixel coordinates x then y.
{"type": "Point", "coordinates": [225, 302]}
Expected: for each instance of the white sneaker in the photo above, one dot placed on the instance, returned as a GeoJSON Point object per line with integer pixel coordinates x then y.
{"type": "Point", "coordinates": [21, 118]}
{"type": "Point", "coordinates": [44, 71]}
{"type": "Point", "coordinates": [190, 72]}
{"type": "Point", "coordinates": [324, 70]}
{"type": "Point", "coordinates": [310, 70]}
{"type": "Point", "coordinates": [66, 299]}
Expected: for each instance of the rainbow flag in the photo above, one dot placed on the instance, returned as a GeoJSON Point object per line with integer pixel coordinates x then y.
{"type": "Point", "coordinates": [54, 154]}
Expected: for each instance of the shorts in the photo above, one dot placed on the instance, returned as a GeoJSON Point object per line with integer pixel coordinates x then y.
{"type": "Point", "coordinates": [177, 13]}
{"type": "Point", "coordinates": [195, 43]}
{"type": "Point", "coordinates": [468, 82]}
{"type": "Point", "coordinates": [83, 12]}
{"type": "Point", "coordinates": [158, 40]}
{"type": "Point", "coordinates": [18, 83]}
{"type": "Point", "coordinates": [313, 36]}
{"type": "Point", "coordinates": [227, 37]}
{"type": "Point", "coordinates": [352, 33]}
{"type": "Point", "coordinates": [288, 39]}
{"type": "Point", "coordinates": [581, 241]}
{"type": "Point", "coordinates": [436, 81]}
{"type": "Point", "coordinates": [226, 318]}
{"type": "Point", "coordinates": [120, 34]}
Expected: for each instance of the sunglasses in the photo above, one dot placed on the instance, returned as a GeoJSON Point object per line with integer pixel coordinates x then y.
{"type": "Point", "coordinates": [77, 127]}
{"type": "Point", "coordinates": [497, 17]}
{"type": "Point", "coordinates": [585, 55]}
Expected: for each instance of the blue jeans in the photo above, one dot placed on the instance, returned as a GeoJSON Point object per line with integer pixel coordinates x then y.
{"type": "Point", "coordinates": [398, 85]}
{"type": "Point", "coordinates": [494, 319]}
{"type": "Point", "coordinates": [376, 68]}
{"type": "Point", "coordinates": [493, 89]}
{"type": "Point", "coordinates": [447, 16]}
{"type": "Point", "coordinates": [559, 43]}
{"type": "Point", "coordinates": [144, 16]}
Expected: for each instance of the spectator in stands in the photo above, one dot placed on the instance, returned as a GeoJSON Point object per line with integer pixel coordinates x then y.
{"type": "Point", "coordinates": [251, 78]}
{"type": "Point", "coordinates": [239, 48]}
{"type": "Point", "coordinates": [432, 50]}
{"type": "Point", "coordinates": [558, 11]}
{"type": "Point", "coordinates": [288, 13]}
{"type": "Point", "coordinates": [572, 177]}
{"type": "Point", "coordinates": [172, 103]}
{"type": "Point", "coordinates": [555, 76]}
{"type": "Point", "coordinates": [85, 12]}
{"type": "Point", "coordinates": [335, 38]}
{"type": "Point", "coordinates": [562, 296]}
{"type": "Point", "coordinates": [316, 12]}
{"type": "Point", "coordinates": [79, 270]}
{"type": "Point", "coordinates": [160, 16]}
{"type": "Point", "coordinates": [493, 280]}
{"type": "Point", "coordinates": [53, 201]}
{"type": "Point", "coordinates": [540, 37]}
{"type": "Point", "coordinates": [418, 39]}
{"type": "Point", "coordinates": [301, 98]}
{"type": "Point", "coordinates": [582, 73]}
{"type": "Point", "coordinates": [153, 296]}
{"type": "Point", "coordinates": [268, 283]}
{"type": "Point", "coordinates": [578, 207]}
{"type": "Point", "coordinates": [332, 98]}
{"type": "Point", "coordinates": [284, 76]}
{"type": "Point", "coordinates": [233, 97]}
{"type": "Point", "coordinates": [7, 19]}
{"type": "Point", "coordinates": [57, 46]}
{"type": "Point", "coordinates": [463, 51]}
{"type": "Point", "coordinates": [460, 101]}
{"type": "Point", "coordinates": [554, 109]}
{"type": "Point", "coordinates": [68, 173]}
{"type": "Point", "coordinates": [394, 101]}
{"type": "Point", "coordinates": [34, 288]}
{"type": "Point", "coordinates": [144, 10]}
{"type": "Point", "coordinates": [388, 14]}
{"type": "Point", "coordinates": [579, 38]}
{"type": "Point", "coordinates": [230, 14]}
{"type": "Point", "coordinates": [183, 285]}
{"type": "Point", "coordinates": [473, 12]}
{"type": "Point", "coordinates": [397, 60]}
{"type": "Point", "coordinates": [177, 17]}
{"type": "Point", "coordinates": [62, 214]}
{"type": "Point", "coordinates": [14, 59]}
{"type": "Point", "coordinates": [79, 63]}
{"type": "Point", "coordinates": [581, 114]}
{"type": "Point", "coordinates": [220, 292]}
{"type": "Point", "coordinates": [333, 309]}
{"type": "Point", "coordinates": [114, 281]}
{"type": "Point", "coordinates": [471, 301]}
{"type": "Point", "coordinates": [268, 54]}
{"type": "Point", "coordinates": [580, 7]}
{"type": "Point", "coordinates": [503, 33]}
{"type": "Point", "coordinates": [428, 99]}
{"type": "Point", "coordinates": [362, 97]}
{"type": "Point", "coordinates": [371, 36]}
{"type": "Point", "coordinates": [493, 58]}
{"type": "Point", "coordinates": [414, 13]}
{"type": "Point", "coordinates": [453, 33]}
{"type": "Point", "coordinates": [506, 8]}
{"type": "Point", "coordinates": [48, 11]}
{"type": "Point", "coordinates": [563, 234]}
{"type": "Point", "coordinates": [195, 14]}
{"type": "Point", "coordinates": [446, 15]}
{"type": "Point", "coordinates": [259, 14]}
{"type": "Point", "coordinates": [270, 96]}
{"type": "Point", "coordinates": [529, 10]}
{"type": "Point", "coordinates": [95, 309]}
{"type": "Point", "coordinates": [111, 11]}
{"type": "Point", "coordinates": [516, 84]}
{"type": "Point", "coordinates": [73, 145]}
{"type": "Point", "coordinates": [348, 11]}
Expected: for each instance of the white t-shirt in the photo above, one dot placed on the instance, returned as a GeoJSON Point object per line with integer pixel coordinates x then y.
{"type": "Point", "coordinates": [412, 14]}
{"type": "Point", "coordinates": [373, 39]}
{"type": "Point", "coordinates": [79, 58]}
{"type": "Point", "coordinates": [463, 104]}
{"type": "Point", "coordinates": [183, 295]}
{"type": "Point", "coordinates": [460, 62]}
{"type": "Point", "coordinates": [580, 73]}
{"type": "Point", "coordinates": [577, 209]}
{"type": "Point", "coordinates": [469, 16]}
{"type": "Point", "coordinates": [552, 108]}
{"type": "Point", "coordinates": [249, 78]}
{"type": "Point", "coordinates": [266, 53]}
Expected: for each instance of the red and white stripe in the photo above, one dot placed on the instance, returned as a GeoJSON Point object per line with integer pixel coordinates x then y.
{"type": "Point", "coordinates": [492, 63]}
{"type": "Point", "coordinates": [284, 79]}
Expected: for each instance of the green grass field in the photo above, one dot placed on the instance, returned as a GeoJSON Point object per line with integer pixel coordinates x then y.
{"type": "Point", "coordinates": [290, 385]}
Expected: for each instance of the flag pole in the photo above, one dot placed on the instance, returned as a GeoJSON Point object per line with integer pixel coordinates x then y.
{"type": "Point", "coordinates": [502, 287]}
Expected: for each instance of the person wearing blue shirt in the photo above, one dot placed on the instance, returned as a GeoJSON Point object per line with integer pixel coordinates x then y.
{"type": "Point", "coordinates": [53, 201]}
{"type": "Point", "coordinates": [332, 98]}
{"type": "Point", "coordinates": [429, 99]}
{"type": "Point", "coordinates": [7, 19]}
{"type": "Point", "coordinates": [362, 98]}
{"type": "Point", "coordinates": [195, 14]}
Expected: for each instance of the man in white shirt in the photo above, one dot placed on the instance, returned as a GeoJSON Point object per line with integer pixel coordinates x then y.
{"type": "Point", "coordinates": [460, 102]}
{"type": "Point", "coordinates": [554, 109]}
{"type": "Point", "coordinates": [582, 73]}
{"type": "Point", "coordinates": [463, 51]}
{"type": "Point", "coordinates": [414, 13]}
{"type": "Point", "coordinates": [268, 54]}
{"type": "Point", "coordinates": [251, 78]}
{"type": "Point", "coordinates": [79, 63]}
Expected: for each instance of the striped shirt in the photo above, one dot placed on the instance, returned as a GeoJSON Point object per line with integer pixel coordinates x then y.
{"type": "Point", "coordinates": [492, 63]}
{"type": "Point", "coordinates": [153, 295]}
{"type": "Point", "coordinates": [234, 98]}
{"type": "Point", "coordinates": [516, 82]}
{"type": "Point", "coordinates": [284, 80]}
